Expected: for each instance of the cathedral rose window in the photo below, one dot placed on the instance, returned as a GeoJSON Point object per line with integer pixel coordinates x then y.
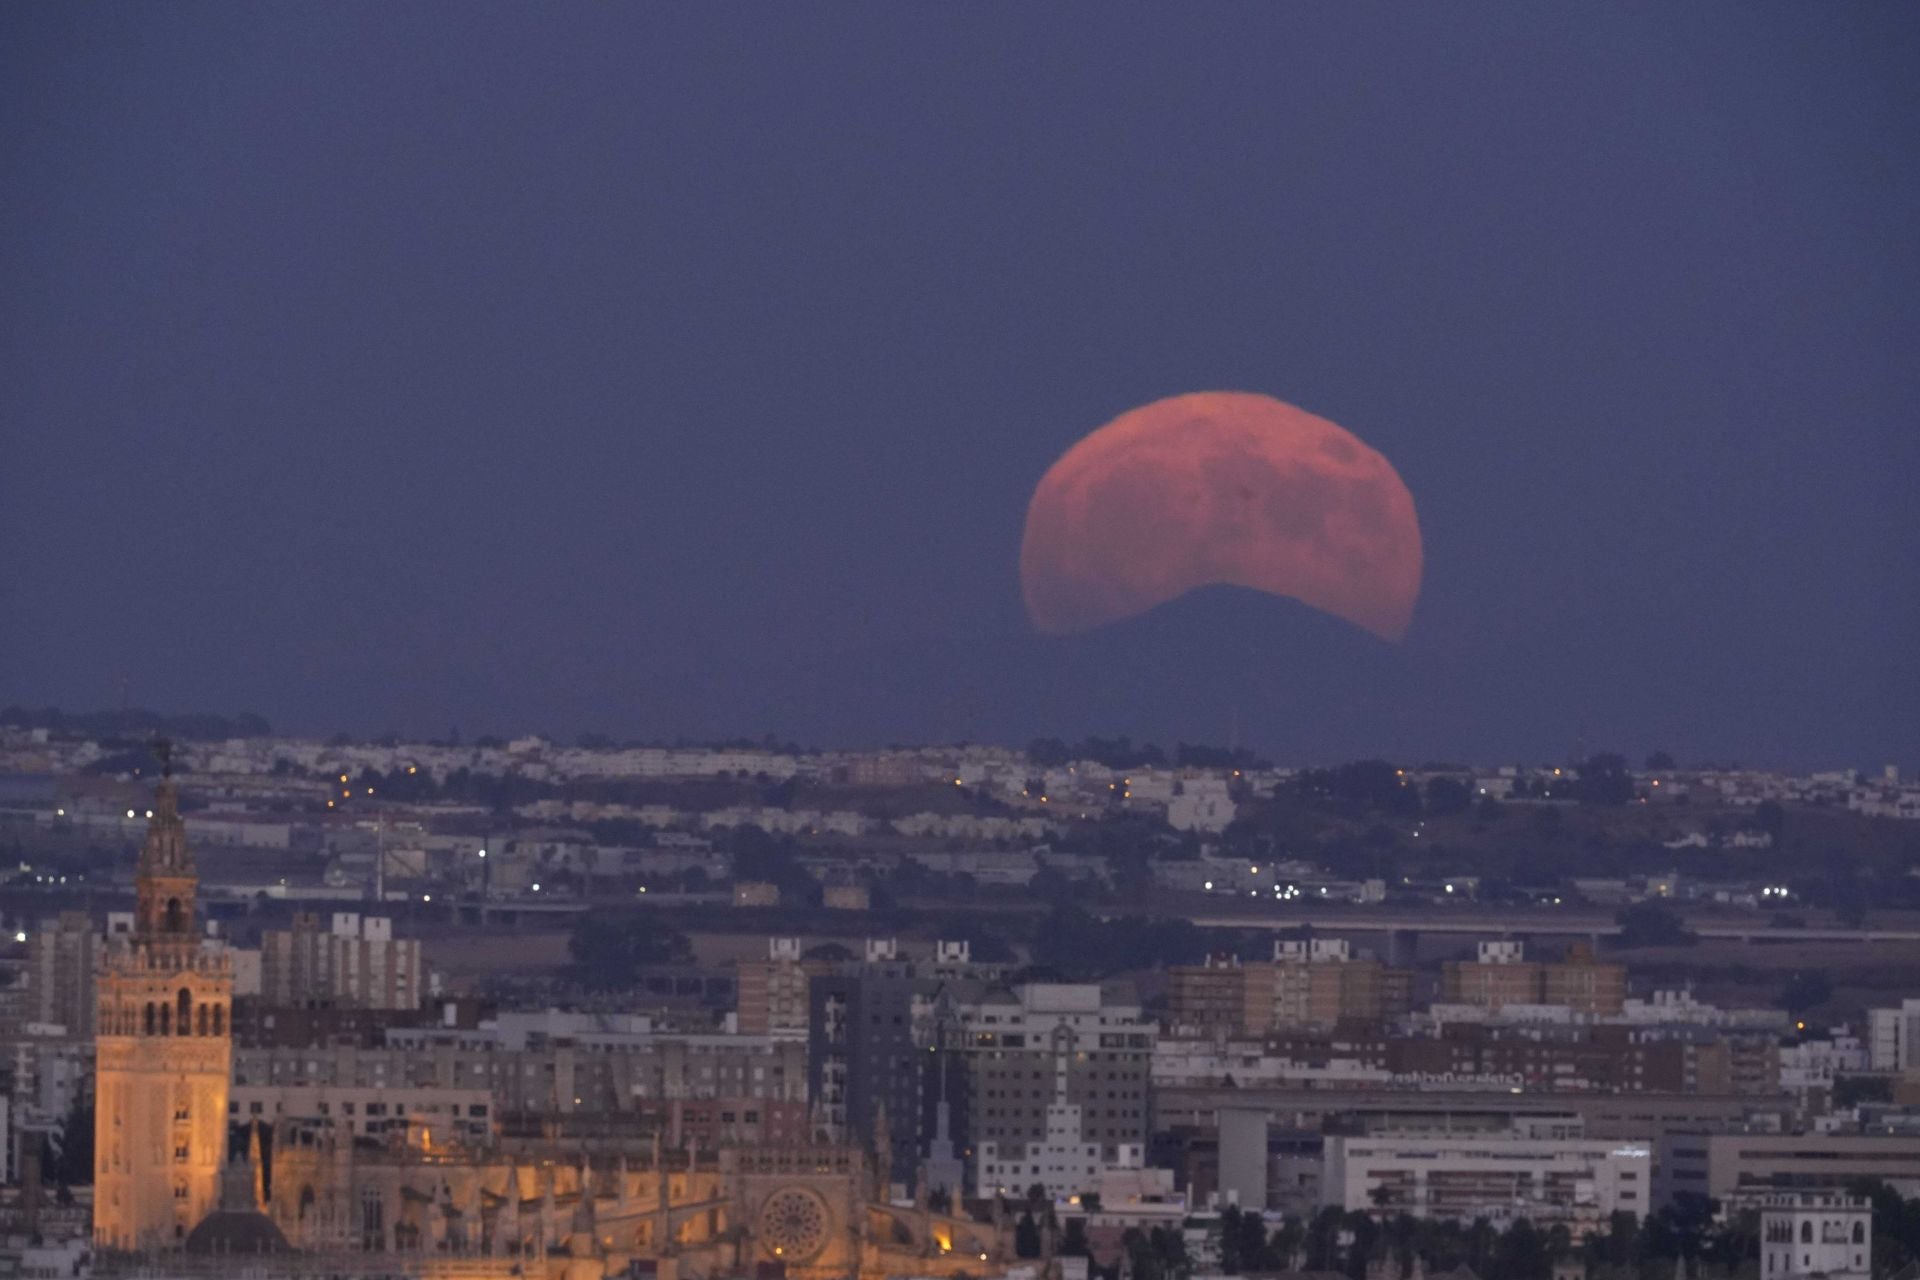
{"type": "Point", "coordinates": [793, 1224]}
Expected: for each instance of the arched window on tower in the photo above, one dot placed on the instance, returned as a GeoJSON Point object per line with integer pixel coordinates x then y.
{"type": "Point", "coordinates": [219, 1019]}
{"type": "Point", "coordinates": [150, 1016]}
{"type": "Point", "coordinates": [200, 1021]}
{"type": "Point", "coordinates": [186, 1012]}
{"type": "Point", "coordinates": [175, 921]}
{"type": "Point", "coordinates": [1806, 1232]}
{"type": "Point", "coordinates": [166, 1019]}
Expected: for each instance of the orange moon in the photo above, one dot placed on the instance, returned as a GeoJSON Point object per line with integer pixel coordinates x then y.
{"type": "Point", "coordinates": [1220, 487]}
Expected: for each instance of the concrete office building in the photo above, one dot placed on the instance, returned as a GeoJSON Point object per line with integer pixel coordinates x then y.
{"type": "Point", "coordinates": [1740, 1169]}
{"type": "Point", "coordinates": [1243, 1158]}
{"type": "Point", "coordinates": [864, 1056]}
{"type": "Point", "coordinates": [62, 954]}
{"type": "Point", "coordinates": [1502, 976]}
{"type": "Point", "coordinates": [1893, 1038]}
{"type": "Point", "coordinates": [772, 993]}
{"type": "Point", "coordinates": [1310, 983]}
{"type": "Point", "coordinates": [352, 962]}
{"type": "Point", "coordinates": [1578, 1182]}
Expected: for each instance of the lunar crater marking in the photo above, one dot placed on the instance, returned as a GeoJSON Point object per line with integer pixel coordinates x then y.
{"type": "Point", "coordinates": [1220, 488]}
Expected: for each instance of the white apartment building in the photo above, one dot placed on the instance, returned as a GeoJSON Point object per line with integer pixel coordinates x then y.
{"type": "Point", "coordinates": [1577, 1181]}
{"type": "Point", "coordinates": [1202, 804]}
{"type": "Point", "coordinates": [1061, 1162]}
{"type": "Point", "coordinates": [1058, 1076]}
{"type": "Point", "coordinates": [1815, 1233]}
{"type": "Point", "coordinates": [1812, 1065]}
{"type": "Point", "coordinates": [354, 963]}
{"type": "Point", "coordinates": [1893, 1037]}
{"type": "Point", "coordinates": [61, 958]}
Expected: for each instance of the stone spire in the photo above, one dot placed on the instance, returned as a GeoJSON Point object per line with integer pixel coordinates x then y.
{"type": "Point", "coordinates": [166, 881]}
{"type": "Point", "coordinates": [584, 1231]}
{"type": "Point", "coordinates": [256, 1164]}
{"type": "Point", "coordinates": [882, 1155]}
{"type": "Point", "coordinates": [622, 1186]}
{"type": "Point", "coordinates": [547, 1215]}
{"type": "Point", "coordinates": [237, 1193]}
{"type": "Point", "coordinates": [506, 1223]}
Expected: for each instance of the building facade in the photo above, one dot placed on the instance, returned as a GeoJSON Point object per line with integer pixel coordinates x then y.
{"type": "Point", "coordinates": [352, 961]}
{"type": "Point", "coordinates": [1310, 983]}
{"type": "Point", "coordinates": [1741, 1169]}
{"type": "Point", "coordinates": [864, 1053]}
{"type": "Point", "coordinates": [1502, 975]}
{"type": "Point", "coordinates": [1815, 1233]}
{"type": "Point", "coordinates": [1579, 1182]}
{"type": "Point", "coordinates": [62, 956]}
{"type": "Point", "coordinates": [772, 993]}
{"type": "Point", "coordinates": [1052, 1074]}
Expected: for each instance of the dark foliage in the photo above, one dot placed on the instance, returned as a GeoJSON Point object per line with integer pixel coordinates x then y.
{"type": "Point", "coordinates": [611, 948]}
{"type": "Point", "coordinates": [1070, 941]}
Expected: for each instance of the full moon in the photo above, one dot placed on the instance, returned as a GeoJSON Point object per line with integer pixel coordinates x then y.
{"type": "Point", "coordinates": [1220, 487]}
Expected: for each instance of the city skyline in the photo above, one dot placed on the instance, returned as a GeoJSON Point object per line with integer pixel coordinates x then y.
{"type": "Point", "coordinates": [858, 641]}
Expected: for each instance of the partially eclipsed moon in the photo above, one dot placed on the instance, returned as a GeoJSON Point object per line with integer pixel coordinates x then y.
{"type": "Point", "coordinates": [1220, 487]}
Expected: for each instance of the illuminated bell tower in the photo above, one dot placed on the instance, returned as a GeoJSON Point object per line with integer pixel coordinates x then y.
{"type": "Point", "coordinates": [164, 1053]}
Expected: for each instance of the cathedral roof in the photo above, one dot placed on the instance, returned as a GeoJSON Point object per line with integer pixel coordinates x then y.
{"type": "Point", "coordinates": [236, 1231]}
{"type": "Point", "coordinates": [238, 1226]}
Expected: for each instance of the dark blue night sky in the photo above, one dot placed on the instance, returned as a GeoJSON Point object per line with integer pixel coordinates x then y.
{"type": "Point", "coordinates": [685, 369]}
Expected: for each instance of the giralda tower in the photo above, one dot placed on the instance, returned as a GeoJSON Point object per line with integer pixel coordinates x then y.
{"type": "Point", "coordinates": [164, 1053]}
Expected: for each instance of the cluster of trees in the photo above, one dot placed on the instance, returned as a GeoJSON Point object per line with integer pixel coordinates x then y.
{"type": "Point", "coordinates": [1692, 1233]}
{"type": "Point", "coordinates": [1336, 1240]}
{"type": "Point", "coordinates": [1123, 753]}
{"type": "Point", "coordinates": [1380, 787]}
{"type": "Point", "coordinates": [461, 786]}
{"type": "Point", "coordinates": [1364, 786]}
{"type": "Point", "coordinates": [611, 947]}
{"type": "Point", "coordinates": [1074, 944]}
{"type": "Point", "coordinates": [758, 855]}
{"type": "Point", "coordinates": [136, 724]}
{"type": "Point", "coordinates": [1651, 924]}
{"type": "Point", "coordinates": [1896, 1225]}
